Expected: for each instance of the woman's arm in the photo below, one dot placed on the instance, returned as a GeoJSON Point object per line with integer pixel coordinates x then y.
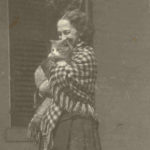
{"type": "Point", "coordinates": [82, 75]}
{"type": "Point", "coordinates": [77, 79]}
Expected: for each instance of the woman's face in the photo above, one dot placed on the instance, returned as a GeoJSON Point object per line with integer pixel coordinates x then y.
{"type": "Point", "coordinates": [67, 31]}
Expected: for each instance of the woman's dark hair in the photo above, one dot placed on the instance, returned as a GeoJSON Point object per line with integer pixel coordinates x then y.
{"type": "Point", "coordinates": [81, 22]}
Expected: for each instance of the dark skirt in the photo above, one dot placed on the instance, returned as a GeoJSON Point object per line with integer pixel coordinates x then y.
{"type": "Point", "coordinates": [74, 132]}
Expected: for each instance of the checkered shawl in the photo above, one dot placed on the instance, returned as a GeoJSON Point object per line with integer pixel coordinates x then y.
{"type": "Point", "coordinates": [72, 87]}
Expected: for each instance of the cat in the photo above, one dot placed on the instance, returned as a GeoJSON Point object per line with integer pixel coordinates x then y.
{"type": "Point", "coordinates": [61, 51]}
{"type": "Point", "coordinates": [60, 54]}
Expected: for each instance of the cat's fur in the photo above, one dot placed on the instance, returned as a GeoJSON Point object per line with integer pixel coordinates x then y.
{"type": "Point", "coordinates": [60, 55]}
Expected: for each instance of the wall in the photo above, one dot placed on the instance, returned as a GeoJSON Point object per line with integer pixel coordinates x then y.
{"type": "Point", "coordinates": [123, 97]}
{"type": "Point", "coordinates": [4, 69]}
{"type": "Point", "coordinates": [122, 48]}
{"type": "Point", "coordinates": [4, 65]}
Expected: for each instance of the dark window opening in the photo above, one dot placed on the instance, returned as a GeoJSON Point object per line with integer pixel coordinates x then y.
{"type": "Point", "coordinates": [32, 24]}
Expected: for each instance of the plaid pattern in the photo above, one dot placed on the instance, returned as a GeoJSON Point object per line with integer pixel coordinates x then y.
{"type": "Point", "coordinates": [72, 87]}
{"type": "Point", "coordinates": [48, 123]}
{"type": "Point", "coordinates": [50, 118]}
{"type": "Point", "coordinates": [75, 82]}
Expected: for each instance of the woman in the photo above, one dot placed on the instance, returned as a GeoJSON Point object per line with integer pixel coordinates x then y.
{"type": "Point", "coordinates": [70, 122]}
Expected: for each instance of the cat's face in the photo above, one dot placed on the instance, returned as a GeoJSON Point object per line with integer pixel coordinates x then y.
{"type": "Point", "coordinates": [60, 48]}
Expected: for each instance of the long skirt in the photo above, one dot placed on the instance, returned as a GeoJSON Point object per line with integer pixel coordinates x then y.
{"type": "Point", "coordinates": [75, 132]}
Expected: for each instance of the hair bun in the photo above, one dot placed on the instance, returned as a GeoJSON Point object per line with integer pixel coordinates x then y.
{"type": "Point", "coordinates": [75, 4]}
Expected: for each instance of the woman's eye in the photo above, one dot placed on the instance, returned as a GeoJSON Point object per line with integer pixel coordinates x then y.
{"type": "Point", "coordinates": [63, 34]}
{"type": "Point", "coordinates": [66, 32]}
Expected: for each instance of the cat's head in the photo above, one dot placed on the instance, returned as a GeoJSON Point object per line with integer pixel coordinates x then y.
{"type": "Point", "coordinates": [61, 48]}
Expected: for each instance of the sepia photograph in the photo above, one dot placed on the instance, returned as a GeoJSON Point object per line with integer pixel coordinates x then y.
{"type": "Point", "coordinates": [74, 74]}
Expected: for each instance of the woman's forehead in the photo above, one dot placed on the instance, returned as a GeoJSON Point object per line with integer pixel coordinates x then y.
{"type": "Point", "coordinates": [63, 25]}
